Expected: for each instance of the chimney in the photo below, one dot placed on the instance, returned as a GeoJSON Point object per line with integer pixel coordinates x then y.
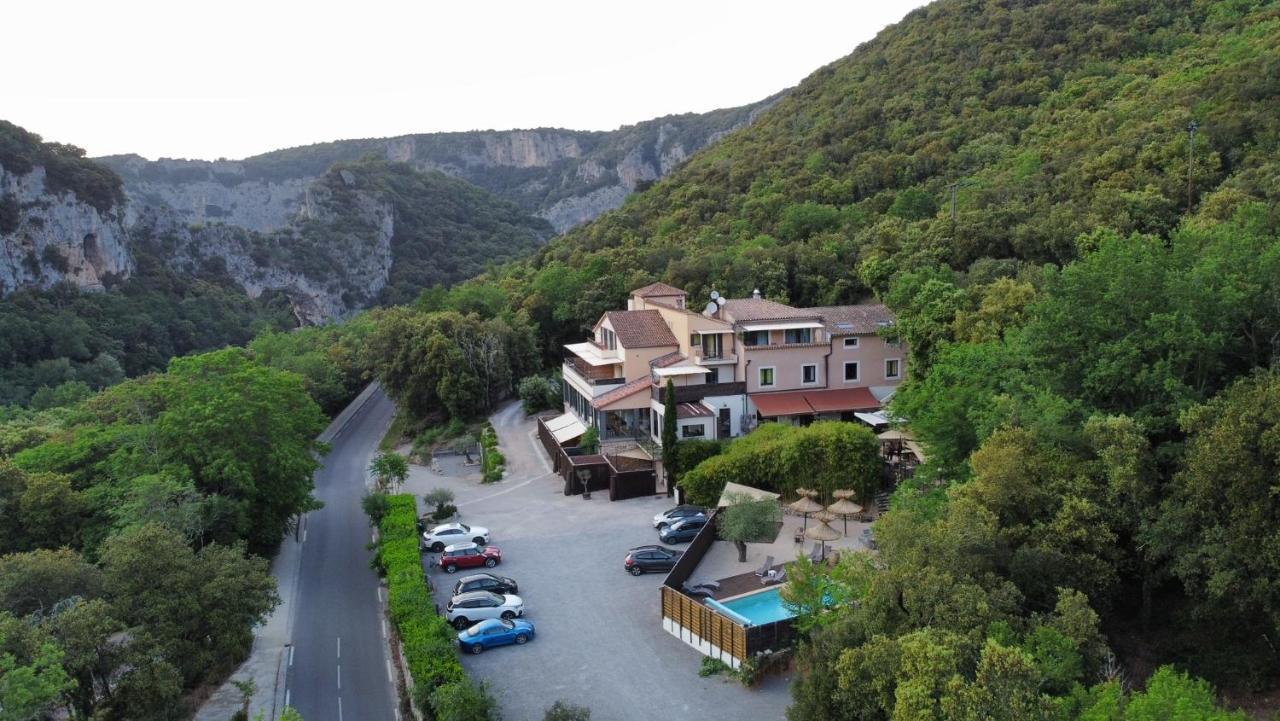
{"type": "Point", "coordinates": [756, 294]}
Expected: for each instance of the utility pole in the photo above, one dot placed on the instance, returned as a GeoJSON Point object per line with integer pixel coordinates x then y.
{"type": "Point", "coordinates": [1192, 127]}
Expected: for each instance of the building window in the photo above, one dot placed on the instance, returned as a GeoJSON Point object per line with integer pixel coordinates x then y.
{"type": "Point", "coordinates": [851, 342]}
{"type": "Point", "coordinates": [697, 431]}
{"type": "Point", "coordinates": [713, 375]}
{"type": "Point", "coordinates": [799, 335]}
{"type": "Point", "coordinates": [809, 373]}
{"type": "Point", "coordinates": [766, 377]}
{"type": "Point", "coordinates": [892, 368]}
{"type": "Point", "coordinates": [755, 337]}
{"type": "Point", "coordinates": [850, 371]}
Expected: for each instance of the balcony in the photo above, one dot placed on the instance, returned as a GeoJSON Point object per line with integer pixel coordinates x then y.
{"type": "Point", "coordinates": [695, 393]}
{"type": "Point", "coordinates": [705, 358]}
{"type": "Point", "coordinates": [599, 378]}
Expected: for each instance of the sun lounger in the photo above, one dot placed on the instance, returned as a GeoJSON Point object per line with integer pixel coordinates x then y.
{"type": "Point", "coordinates": [778, 576]}
{"type": "Point", "coordinates": [764, 568]}
{"type": "Point", "coordinates": [815, 553]}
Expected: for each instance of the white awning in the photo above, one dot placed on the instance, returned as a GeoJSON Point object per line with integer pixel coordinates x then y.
{"type": "Point", "coordinates": [680, 370]}
{"type": "Point", "coordinates": [878, 418]}
{"type": "Point", "coordinates": [591, 354]}
{"type": "Point", "coordinates": [565, 427]}
{"type": "Point", "coordinates": [782, 325]}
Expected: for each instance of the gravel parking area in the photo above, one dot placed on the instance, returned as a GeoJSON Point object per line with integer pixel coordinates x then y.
{"type": "Point", "coordinates": [600, 642]}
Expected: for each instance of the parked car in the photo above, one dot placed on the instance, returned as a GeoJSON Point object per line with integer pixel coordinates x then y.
{"type": "Point", "coordinates": [650, 558]}
{"type": "Point", "coordinates": [469, 555]}
{"type": "Point", "coordinates": [485, 582]}
{"type": "Point", "coordinates": [495, 632]}
{"type": "Point", "coordinates": [671, 515]}
{"type": "Point", "coordinates": [683, 530]}
{"type": "Point", "coordinates": [466, 609]}
{"type": "Point", "coordinates": [436, 539]}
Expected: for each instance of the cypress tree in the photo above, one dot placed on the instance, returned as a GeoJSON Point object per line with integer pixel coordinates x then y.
{"type": "Point", "coordinates": [669, 439]}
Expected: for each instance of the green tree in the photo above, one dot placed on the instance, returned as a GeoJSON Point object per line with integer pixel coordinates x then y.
{"type": "Point", "coordinates": [565, 711]}
{"type": "Point", "coordinates": [198, 608]}
{"type": "Point", "coordinates": [219, 407]}
{"type": "Point", "coordinates": [670, 456]}
{"type": "Point", "coordinates": [33, 687]}
{"type": "Point", "coordinates": [590, 442]}
{"type": "Point", "coordinates": [746, 520]}
{"type": "Point", "coordinates": [390, 469]}
{"type": "Point", "coordinates": [38, 580]}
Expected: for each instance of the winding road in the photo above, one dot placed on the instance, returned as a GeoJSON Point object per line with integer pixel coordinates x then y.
{"type": "Point", "coordinates": [338, 667]}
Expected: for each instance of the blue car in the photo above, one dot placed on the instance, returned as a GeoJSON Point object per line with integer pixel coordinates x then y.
{"type": "Point", "coordinates": [495, 632]}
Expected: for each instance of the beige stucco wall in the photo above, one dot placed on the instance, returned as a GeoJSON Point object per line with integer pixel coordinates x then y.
{"type": "Point", "coordinates": [786, 363]}
{"type": "Point", "coordinates": [635, 362]}
{"type": "Point", "coordinates": [871, 353]}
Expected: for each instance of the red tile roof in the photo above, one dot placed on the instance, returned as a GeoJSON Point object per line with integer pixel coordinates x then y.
{"type": "Point", "coordinates": [854, 319]}
{"type": "Point", "coordinates": [743, 310]}
{"type": "Point", "coordinates": [693, 410]}
{"type": "Point", "coordinates": [641, 329]}
{"type": "Point", "coordinates": [622, 391]}
{"type": "Point", "coordinates": [658, 289]}
{"type": "Point", "coordinates": [667, 360]}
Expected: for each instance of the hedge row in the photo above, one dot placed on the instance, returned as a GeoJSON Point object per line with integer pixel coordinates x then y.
{"type": "Point", "coordinates": [494, 461]}
{"type": "Point", "coordinates": [428, 639]}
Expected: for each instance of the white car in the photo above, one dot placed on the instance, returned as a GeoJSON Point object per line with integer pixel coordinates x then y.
{"type": "Point", "coordinates": [468, 608]}
{"type": "Point", "coordinates": [679, 513]}
{"type": "Point", "coordinates": [448, 534]}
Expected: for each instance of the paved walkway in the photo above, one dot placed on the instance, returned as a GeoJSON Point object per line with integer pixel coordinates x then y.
{"type": "Point", "coordinates": [600, 642]}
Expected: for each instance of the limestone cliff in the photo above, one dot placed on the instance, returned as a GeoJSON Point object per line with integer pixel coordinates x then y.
{"type": "Point", "coordinates": [567, 177]}
{"type": "Point", "coordinates": [47, 237]}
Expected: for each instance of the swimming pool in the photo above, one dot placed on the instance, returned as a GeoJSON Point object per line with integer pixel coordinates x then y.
{"type": "Point", "coordinates": [755, 609]}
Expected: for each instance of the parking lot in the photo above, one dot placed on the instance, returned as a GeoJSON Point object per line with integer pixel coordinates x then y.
{"type": "Point", "coordinates": [600, 642]}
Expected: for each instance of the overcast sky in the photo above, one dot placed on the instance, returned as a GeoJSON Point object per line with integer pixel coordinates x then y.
{"type": "Point", "coordinates": [235, 78]}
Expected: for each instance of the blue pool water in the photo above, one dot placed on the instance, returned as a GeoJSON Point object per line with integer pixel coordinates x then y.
{"type": "Point", "coordinates": [758, 608]}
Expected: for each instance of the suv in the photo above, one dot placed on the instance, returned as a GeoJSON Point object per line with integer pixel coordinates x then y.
{"type": "Point", "coordinates": [436, 539]}
{"type": "Point", "coordinates": [485, 582]}
{"type": "Point", "coordinates": [682, 530]}
{"type": "Point", "coordinates": [671, 515]}
{"type": "Point", "coordinates": [467, 608]}
{"type": "Point", "coordinates": [469, 555]}
{"type": "Point", "coordinates": [650, 558]}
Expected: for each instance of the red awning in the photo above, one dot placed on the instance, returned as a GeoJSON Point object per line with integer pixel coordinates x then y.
{"type": "Point", "coordinates": [842, 399]}
{"type": "Point", "coordinates": [790, 403]}
{"type": "Point", "coordinates": [800, 403]}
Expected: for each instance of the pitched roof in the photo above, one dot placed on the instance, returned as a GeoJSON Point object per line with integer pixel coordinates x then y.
{"type": "Point", "coordinates": [669, 359]}
{"type": "Point", "coordinates": [693, 410]}
{"type": "Point", "coordinates": [748, 309]}
{"type": "Point", "coordinates": [621, 392]}
{"type": "Point", "coordinates": [657, 289]}
{"type": "Point", "coordinates": [854, 319]}
{"type": "Point", "coordinates": [641, 329]}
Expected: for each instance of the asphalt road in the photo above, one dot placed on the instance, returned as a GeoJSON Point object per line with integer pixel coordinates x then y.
{"type": "Point", "coordinates": [339, 667]}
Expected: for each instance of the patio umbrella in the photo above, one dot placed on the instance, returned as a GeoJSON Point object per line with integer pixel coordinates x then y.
{"type": "Point", "coordinates": [822, 532]}
{"type": "Point", "coordinates": [805, 505]}
{"type": "Point", "coordinates": [844, 508]}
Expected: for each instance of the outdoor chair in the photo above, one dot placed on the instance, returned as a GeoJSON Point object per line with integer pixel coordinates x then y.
{"type": "Point", "coordinates": [778, 576]}
{"type": "Point", "coordinates": [764, 568]}
{"type": "Point", "coordinates": [799, 535]}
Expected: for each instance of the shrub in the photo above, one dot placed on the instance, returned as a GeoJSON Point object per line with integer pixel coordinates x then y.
{"type": "Point", "coordinates": [712, 666]}
{"type": "Point", "coordinates": [375, 506]}
{"type": "Point", "coordinates": [538, 393]}
{"type": "Point", "coordinates": [428, 639]}
{"type": "Point", "coordinates": [494, 461]}
{"type": "Point", "coordinates": [590, 442]}
{"type": "Point", "coordinates": [444, 513]}
{"type": "Point", "coordinates": [464, 701]}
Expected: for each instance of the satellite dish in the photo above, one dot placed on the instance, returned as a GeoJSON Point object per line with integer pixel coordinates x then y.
{"type": "Point", "coordinates": [711, 308]}
{"type": "Point", "coordinates": [715, 295]}
{"type": "Point", "coordinates": [719, 301]}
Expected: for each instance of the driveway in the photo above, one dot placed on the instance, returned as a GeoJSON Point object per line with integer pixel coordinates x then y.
{"type": "Point", "coordinates": [600, 642]}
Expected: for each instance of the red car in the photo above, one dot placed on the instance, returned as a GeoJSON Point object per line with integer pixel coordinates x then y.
{"type": "Point", "coordinates": [469, 555]}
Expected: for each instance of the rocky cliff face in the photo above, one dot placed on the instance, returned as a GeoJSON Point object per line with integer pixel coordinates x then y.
{"type": "Point", "coordinates": [48, 237]}
{"type": "Point", "coordinates": [567, 177]}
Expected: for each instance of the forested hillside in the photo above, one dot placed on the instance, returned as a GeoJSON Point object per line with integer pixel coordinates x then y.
{"type": "Point", "coordinates": [1094, 323]}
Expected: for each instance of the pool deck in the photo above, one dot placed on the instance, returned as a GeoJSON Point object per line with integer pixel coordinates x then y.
{"type": "Point", "coordinates": [741, 584]}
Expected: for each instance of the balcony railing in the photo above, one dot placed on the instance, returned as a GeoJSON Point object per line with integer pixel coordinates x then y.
{"type": "Point", "coordinates": [695, 393]}
{"type": "Point", "coordinates": [593, 375]}
{"type": "Point", "coordinates": [719, 356]}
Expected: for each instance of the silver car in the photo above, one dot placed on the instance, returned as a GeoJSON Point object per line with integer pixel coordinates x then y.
{"type": "Point", "coordinates": [467, 608]}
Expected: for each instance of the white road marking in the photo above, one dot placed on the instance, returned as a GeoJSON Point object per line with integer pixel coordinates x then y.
{"type": "Point", "coordinates": [286, 697]}
{"type": "Point", "coordinates": [390, 678]}
{"type": "Point", "coordinates": [339, 647]}
{"type": "Point", "coordinates": [502, 492]}
{"type": "Point", "coordinates": [339, 677]}
{"type": "Point", "coordinates": [384, 628]}
{"type": "Point", "coordinates": [339, 708]}
{"type": "Point", "coordinates": [291, 648]}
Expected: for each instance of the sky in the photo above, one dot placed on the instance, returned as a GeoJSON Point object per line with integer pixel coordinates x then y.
{"type": "Point", "coordinates": [232, 78]}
